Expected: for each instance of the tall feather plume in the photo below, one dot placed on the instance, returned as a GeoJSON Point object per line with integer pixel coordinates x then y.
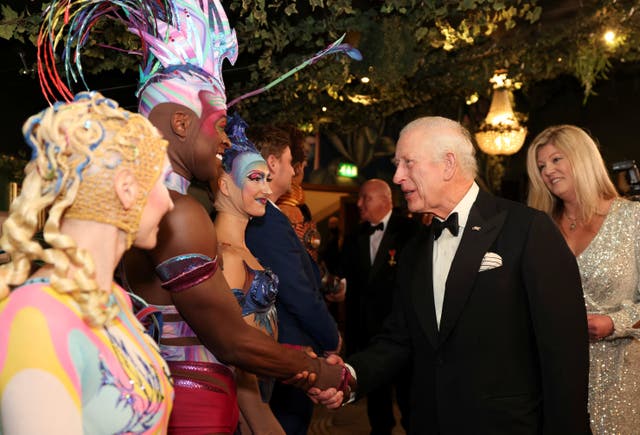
{"type": "Point", "coordinates": [187, 39]}
{"type": "Point", "coordinates": [335, 48]}
{"type": "Point", "coordinates": [70, 22]}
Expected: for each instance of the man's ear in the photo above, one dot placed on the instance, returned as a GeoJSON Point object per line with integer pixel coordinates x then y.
{"type": "Point", "coordinates": [180, 123]}
{"type": "Point", "coordinates": [450, 165]}
{"type": "Point", "coordinates": [126, 187]}
{"type": "Point", "coordinates": [272, 162]}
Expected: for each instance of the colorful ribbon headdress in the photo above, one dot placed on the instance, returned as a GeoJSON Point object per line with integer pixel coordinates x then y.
{"type": "Point", "coordinates": [184, 45]}
{"type": "Point", "coordinates": [184, 41]}
{"type": "Point", "coordinates": [187, 55]}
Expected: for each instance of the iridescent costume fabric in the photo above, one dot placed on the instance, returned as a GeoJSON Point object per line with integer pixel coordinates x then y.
{"type": "Point", "coordinates": [610, 268]}
{"type": "Point", "coordinates": [260, 300]}
{"type": "Point", "coordinates": [205, 388]}
{"type": "Point", "coordinates": [113, 376]}
{"type": "Point", "coordinates": [179, 342]}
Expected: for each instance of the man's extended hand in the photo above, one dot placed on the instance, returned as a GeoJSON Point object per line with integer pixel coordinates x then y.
{"type": "Point", "coordinates": [333, 397]}
{"type": "Point", "coordinates": [330, 372]}
{"type": "Point", "coordinates": [335, 359]}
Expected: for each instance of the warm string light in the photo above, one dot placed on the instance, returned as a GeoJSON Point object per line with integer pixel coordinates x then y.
{"type": "Point", "coordinates": [613, 39]}
{"type": "Point", "coordinates": [472, 99]}
{"type": "Point", "coordinates": [609, 37]}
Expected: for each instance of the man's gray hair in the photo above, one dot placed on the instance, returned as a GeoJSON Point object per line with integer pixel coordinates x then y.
{"type": "Point", "coordinates": [444, 135]}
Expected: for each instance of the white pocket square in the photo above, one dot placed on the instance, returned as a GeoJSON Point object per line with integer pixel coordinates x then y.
{"type": "Point", "coordinates": [491, 260]}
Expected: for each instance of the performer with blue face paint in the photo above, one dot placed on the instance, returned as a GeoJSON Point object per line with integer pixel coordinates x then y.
{"type": "Point", "coordinates": [242, 193]}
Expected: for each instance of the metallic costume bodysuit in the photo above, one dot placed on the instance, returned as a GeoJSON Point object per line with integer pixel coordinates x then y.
{"type": "Point", "coordinates": [260, 300]}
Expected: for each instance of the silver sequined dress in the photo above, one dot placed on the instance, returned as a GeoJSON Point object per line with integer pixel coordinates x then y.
{"type": "Point", "coordinates": [609, 268]}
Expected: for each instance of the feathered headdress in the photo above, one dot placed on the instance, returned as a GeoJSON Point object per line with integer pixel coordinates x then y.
{"type": "Point", "coordinates": [187, 55]}
{"type": "Point", "coordinates": [184, 45]}
{"type": "Point", "coordinates": [236, 128]}
{"type": "Point", "coordinates": [242, 155]}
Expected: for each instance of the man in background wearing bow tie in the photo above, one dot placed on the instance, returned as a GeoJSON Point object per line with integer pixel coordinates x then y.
{"type": "Point", "coordinates": [369, 261]}
{"type": "Point", "coordinates": [489, 307]}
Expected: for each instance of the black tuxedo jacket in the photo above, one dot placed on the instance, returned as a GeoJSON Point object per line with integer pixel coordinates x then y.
{"type": "Point", "coordinates": [511, 353]}
{"type": "Point", "coordinates": [370, 286]}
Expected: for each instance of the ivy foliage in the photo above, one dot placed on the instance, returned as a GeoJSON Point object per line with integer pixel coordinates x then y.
{"type": "Point", "coordinates": [417, 53]}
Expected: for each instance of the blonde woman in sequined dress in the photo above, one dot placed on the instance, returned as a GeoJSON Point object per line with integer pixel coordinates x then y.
{"type": "Point", "coordinates": [569, 181]}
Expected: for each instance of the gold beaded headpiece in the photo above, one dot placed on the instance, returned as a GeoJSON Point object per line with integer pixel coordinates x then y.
{"type": "Point", "coordinates": [78, 147]}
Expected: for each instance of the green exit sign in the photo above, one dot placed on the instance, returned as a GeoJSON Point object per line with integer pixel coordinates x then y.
{"type": "Point", "coordinates": [348, 170]}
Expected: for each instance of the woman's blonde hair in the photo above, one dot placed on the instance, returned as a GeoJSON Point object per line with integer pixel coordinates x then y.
{"type": "Point", "coordinates": [76, 148]}
{"type": "Point", "coordinates": [591, 179]}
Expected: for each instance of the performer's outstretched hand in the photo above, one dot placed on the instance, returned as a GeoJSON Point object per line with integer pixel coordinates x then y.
{"type": "Point", "coordinates": [333, 397]}
{"type": "Point", "coordinates": [323, 375]}
{"type": "Point", "coordinates": [304, 380]}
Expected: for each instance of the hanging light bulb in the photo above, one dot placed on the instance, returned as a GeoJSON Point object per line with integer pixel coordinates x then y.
{"type": "Point", "coordinates": [609, 37]}
{"type": "Point", "coordinates": [501, 133]}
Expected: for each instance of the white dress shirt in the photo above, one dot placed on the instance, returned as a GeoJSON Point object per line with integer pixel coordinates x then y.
{"type": "Point", "coordinates": [376, 237]}
{"type": "Point", "coordinates": [445, 247]}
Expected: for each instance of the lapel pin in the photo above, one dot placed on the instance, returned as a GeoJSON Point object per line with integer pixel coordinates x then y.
{"type": "Point", "coordinates": [475, 228]}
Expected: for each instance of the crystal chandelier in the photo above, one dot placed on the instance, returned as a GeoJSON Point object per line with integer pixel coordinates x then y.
{"type": "Point", "coordinates": [501, 133]}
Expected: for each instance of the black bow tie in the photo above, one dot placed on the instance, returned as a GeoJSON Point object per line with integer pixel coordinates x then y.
{"type": "Point", "coordinates": [373, 228]}
{"type": "Point", "coordinates": [451, 224]}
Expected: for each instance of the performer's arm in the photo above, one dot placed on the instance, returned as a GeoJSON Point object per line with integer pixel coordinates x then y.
{"type": "Point", "coordinates": [211, 310]}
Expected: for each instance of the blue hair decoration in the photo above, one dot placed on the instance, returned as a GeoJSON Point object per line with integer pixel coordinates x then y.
{"type": "Point", "coordinates": [236, 127]}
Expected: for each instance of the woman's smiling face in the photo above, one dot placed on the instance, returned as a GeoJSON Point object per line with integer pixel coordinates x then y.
{"type": "Point", "coordinates": [255, 189]}
{"type": "Point", "coordinates": [556, 172]}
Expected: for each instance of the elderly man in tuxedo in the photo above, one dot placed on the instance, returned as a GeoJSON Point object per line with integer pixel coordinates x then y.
{"type": "Point", "coordinates": [488, 307]}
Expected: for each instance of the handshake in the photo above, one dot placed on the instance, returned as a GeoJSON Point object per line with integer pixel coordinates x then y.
{"type": "Point", "coordinates": [329, 383]}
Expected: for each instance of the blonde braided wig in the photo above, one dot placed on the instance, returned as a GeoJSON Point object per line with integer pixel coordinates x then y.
{"type": "Point", "coordinates": [76, 149]}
